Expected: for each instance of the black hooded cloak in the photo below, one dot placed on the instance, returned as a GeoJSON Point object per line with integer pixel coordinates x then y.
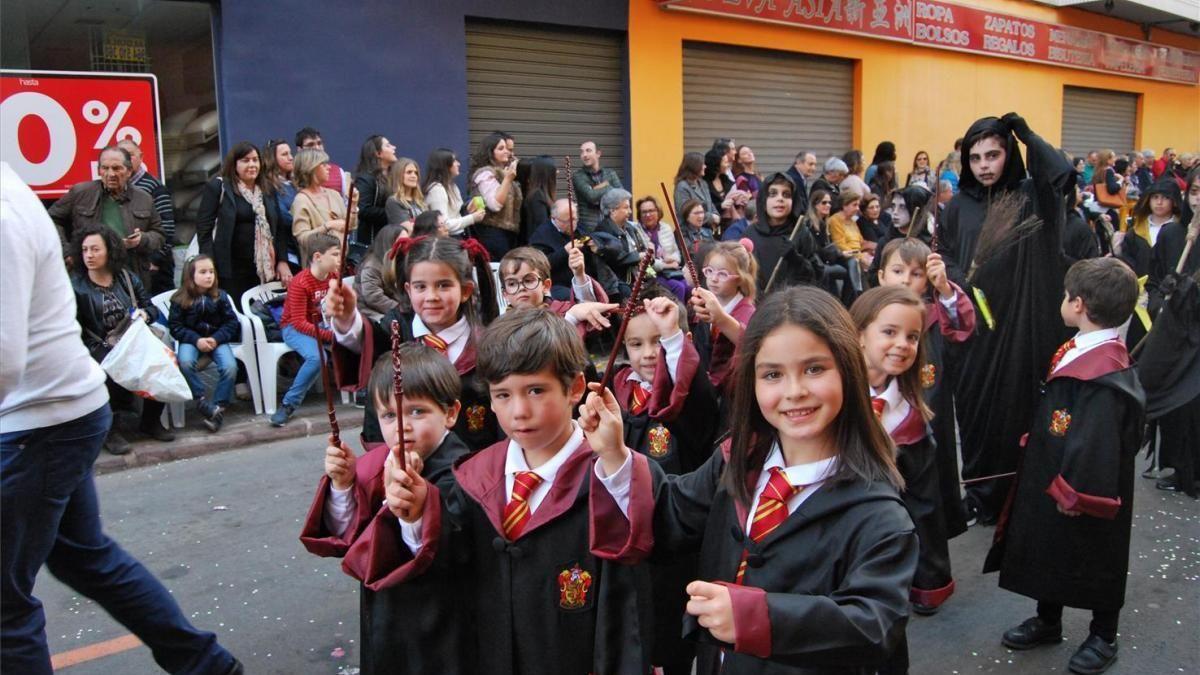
{"type": "Point", "coordinates": [1003, 366]}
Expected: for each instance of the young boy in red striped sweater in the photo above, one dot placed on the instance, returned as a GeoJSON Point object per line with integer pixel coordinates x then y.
{"type": "Point", "coordinates": [302, 321]}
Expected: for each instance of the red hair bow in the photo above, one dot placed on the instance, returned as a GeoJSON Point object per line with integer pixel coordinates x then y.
{"type": "Point", "coordinates": [476, 250]}
{"type": "Point", "coordinates": [404, 245]}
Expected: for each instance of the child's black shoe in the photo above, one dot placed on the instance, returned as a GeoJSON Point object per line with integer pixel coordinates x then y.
{"type": "Point", "coordinates": [1095, 655]}
{"type": "Point", "coordinates": [1031, 633]}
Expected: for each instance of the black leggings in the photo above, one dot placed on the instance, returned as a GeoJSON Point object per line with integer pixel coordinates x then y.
{"type": "Point", "coordinates": [1104, 622]}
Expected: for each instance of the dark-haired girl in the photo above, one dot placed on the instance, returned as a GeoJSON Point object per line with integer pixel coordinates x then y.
{"type": "Point", "coordinates": [806, 549]}
{"type": "Point", "coordinates": [493, 179]}
{"type": "Point", "coordinates": [370, 179]}
{"type": "Point", "coordinates": [440, 285]}
{"type": "Point", "coordinates": [203, 322]}
{"type": "Point", "coordinates": [441, 192]}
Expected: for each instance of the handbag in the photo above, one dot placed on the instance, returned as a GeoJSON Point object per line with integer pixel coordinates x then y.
{"type": "Point", "coordinates": [1106, 198]}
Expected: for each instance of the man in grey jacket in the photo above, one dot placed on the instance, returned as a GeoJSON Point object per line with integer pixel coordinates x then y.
{"type": "Point", "coordinates": [591, 183]}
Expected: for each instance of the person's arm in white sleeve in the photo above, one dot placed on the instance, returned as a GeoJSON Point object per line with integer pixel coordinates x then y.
{"type": "Point", "coordinates": [673, 346]}
{"type": "Point", "coordinates": [617, 484]}
{"type": "Point", "coordinates": [338, 509]}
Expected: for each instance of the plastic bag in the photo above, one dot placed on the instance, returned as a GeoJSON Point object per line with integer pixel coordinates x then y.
{"type": "Point", "coordinates": [145, 366]}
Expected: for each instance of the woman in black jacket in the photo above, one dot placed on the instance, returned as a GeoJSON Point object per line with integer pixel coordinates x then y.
{"type": "Point", "coordinates": [370, 180]}
{"type": "Point", "coordinates": [239, 226]}
{"type": "Point", "coordinates": [107, 299]}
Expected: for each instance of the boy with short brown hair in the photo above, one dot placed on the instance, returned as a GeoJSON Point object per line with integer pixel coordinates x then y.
{"type": "Point", "coordinates": [1064, 539]}
{"type": "Point", "coordinates": [548, 596]}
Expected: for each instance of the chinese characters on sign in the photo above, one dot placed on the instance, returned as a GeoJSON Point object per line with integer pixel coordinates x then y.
{"type": "Point", "coordinates": [947, 25]}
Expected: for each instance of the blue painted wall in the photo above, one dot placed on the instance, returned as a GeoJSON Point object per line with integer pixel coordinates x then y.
{"type": "Point", "coordinates": [352, 68]}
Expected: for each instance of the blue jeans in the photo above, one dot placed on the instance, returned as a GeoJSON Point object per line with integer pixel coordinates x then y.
{"type": "Point", "coordinates": [227, 368]}
{"type": "Point", "coordinates": [306, 347]}
{"type": "Point", "coordinates": [51, 515]}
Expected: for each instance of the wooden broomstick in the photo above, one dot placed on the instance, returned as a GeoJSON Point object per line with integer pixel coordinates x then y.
{"type": "Point", "coordinates": [398, 392]}
{"type": "Point", "coordinates": [335, 432]}
{"type": "Point", "coordinates": [779, 262]}
{"type": "Point", "coordinates": [971, 481]}
{"type": "Point", "coordinates": [683, 248]}
{"type": "Point", "coordinates": [634, 298]}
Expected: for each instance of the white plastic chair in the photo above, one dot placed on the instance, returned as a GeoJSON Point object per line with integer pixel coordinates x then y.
{"type": "Point", "coordinates": [243, 350]}
{"type": "Point", "coordinates": [500, 301]}
{"type": "Point", "coordinates": [267, 353]}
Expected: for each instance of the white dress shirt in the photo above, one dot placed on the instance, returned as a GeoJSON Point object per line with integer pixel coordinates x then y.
{"type": "Point", "coordinates": [895, 408]}
{"type": "Point", "coordinates": [1086, 342]}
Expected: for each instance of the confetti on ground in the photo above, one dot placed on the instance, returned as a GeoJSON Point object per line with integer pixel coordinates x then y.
{"type": "Point", "coordinates": [337, 652]}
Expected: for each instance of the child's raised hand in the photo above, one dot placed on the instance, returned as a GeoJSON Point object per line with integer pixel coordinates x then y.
{"type": "Point", "coordinates": [713, 609]}
{"type": "Point", "coordinates": [600, 418]}
{"type": "Point", "coordinates": [340, 303]}
{"type": "Point", "coordinates": [405, 489]}
{"type": "Point", "coordinates": [339, 465]}
{"type": "Point", "coordinates": [935, 269]}
{"type": "Point", "coordinates": [664, 314]}
{"type": "Point", "coordinates": [575, 260]}
{"type": "Point", "coordinates": [706, 305]}
{"type": "Point", "coordinates": [592, 313]}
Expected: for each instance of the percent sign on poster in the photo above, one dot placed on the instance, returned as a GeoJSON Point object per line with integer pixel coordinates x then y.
{"type": "Point", "coordinates": [53, 125]}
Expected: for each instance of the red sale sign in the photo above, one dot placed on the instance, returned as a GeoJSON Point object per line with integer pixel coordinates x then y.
{"type": "Point", "coordinates": [53, 125]}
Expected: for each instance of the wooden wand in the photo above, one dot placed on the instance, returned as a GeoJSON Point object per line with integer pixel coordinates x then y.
{"type": "Point", "coordinates": [335, 432]}
{"type": "Point", "coordinates": [687, 255]}
{"type": "Point", "coordinates": [570, 200]}
{"type": "Point", "coordinates": [398, 392]}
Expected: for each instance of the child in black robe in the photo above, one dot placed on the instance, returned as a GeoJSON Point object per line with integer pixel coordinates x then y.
{"type": "Point", "coordinates": [1063, 538]}
{"type": "Point", "coordinates": [441, 287]}
{"type": "Point", "coordinates": [891, 322]}
{"type": "Point", "coordinates": [806, 550]}
{"type": "Point", "coordinates": [393, 638]}
{"type": "Point", "coordinates": [669, 411]}
{"type": "Point", "coordinates": [547, 593]}
{"type": "Point", "coordinates": [909, 262]}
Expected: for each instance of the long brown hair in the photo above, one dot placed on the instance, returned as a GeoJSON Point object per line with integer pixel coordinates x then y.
{"type": "Point", "coordinates": [188, 292]}
{"type": "Point", "coordinates": [867, 308]}
{"type": "Point", "coordinates": [865, 452]}
{"type": "Point", "coordinates": [461, 257]}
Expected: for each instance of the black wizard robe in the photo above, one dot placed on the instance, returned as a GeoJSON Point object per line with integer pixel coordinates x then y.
{"type": "Point", "coordinates": [839, 568]}
{"type": "Point", "coordinates": [396, 639]}
{"type": "Point", "coordinates": [1002, 367]}
{"type": "Point", "coordinates": [558, 599]}
{"type": "Point", "coordinates": [1079, 455]}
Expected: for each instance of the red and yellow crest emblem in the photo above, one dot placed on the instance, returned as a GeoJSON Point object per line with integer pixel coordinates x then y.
{"type": "Point", "coordinates": [1060, 421]}
{"type": "Point", "coordinates": [660, 442]}
{"type": "Point", "coordinates": [476, 415]}
{"type": "Point", "coordinates": [928, 375]}
{"type": "Point", "coordinates": [573, 586]}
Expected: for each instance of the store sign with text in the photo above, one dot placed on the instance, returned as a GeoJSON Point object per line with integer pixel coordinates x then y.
{"type": "Point", "coordinates": [947, 25]}
{"type": "Point", "coordinates": [53, 124]}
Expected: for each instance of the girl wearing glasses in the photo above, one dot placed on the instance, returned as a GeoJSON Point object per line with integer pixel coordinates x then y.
{"type": "Point", "coordinates": [726, 305]}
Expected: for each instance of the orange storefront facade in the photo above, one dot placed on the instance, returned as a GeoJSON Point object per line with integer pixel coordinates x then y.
{"type": "Point", "coordinates": [915, 95]}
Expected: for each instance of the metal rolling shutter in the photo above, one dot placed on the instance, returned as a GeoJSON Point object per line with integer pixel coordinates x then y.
{"type": "Point", "coordinates": [1094, 119]}
{"type": "Point", "coordinates": [551, 89]}
{"type": "Point", "coordinates": [778, 103]}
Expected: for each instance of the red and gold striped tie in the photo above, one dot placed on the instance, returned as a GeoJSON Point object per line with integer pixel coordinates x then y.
{"type": "Point", "coordinates": [771, 512]}
{"type": "Point", "coordinates": [516, 512]}
{"type": "Point", "coordinates": [639, 400]}
{"type": "Point", "coordinates": [436, 342]}
{"type": "Point", "coordinates": [1058, 355]}
{"type": "Point", "coordinates": [878, 404]}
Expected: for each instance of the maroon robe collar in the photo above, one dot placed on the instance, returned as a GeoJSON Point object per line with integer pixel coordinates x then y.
{"type": "Point", "coordinates": [466, 360]}
{"type": "Point", "coordinates": [911, 429]}
{"type": "Point", "coordinates": [1107, 357]}
{"type": "Point", "coordinates": [481, 476]}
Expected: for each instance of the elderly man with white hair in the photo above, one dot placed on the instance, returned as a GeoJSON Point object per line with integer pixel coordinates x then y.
{"type": "Point", "coordinates": [832, 174]}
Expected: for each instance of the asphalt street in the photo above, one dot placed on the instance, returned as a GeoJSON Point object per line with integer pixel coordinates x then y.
{"type": "Point", "coordinates": [221, 532]}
